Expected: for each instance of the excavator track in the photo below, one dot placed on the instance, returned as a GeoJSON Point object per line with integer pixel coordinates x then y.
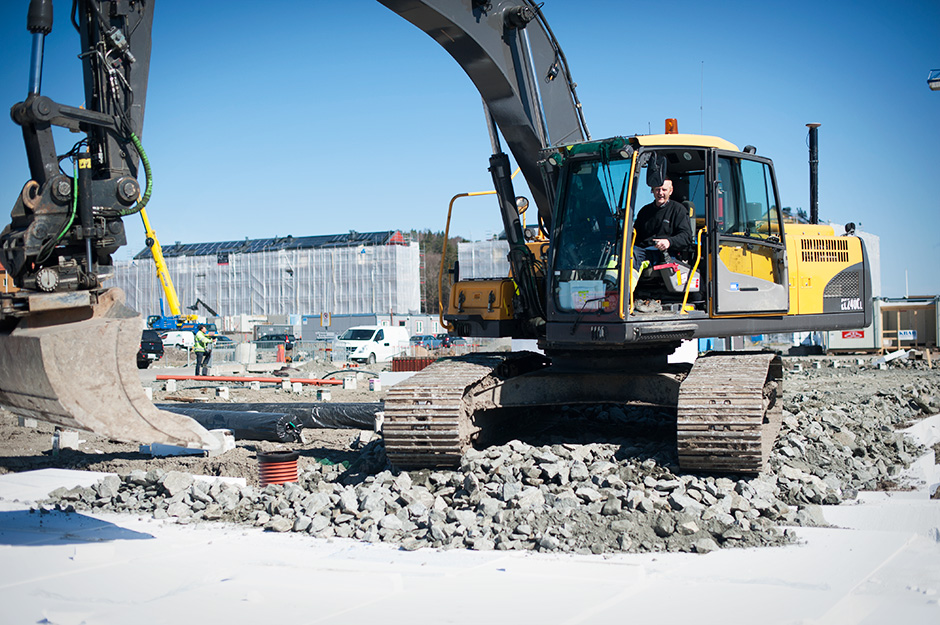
{"type": "Point", "coordinates": [729, 412]}
{"type": "Point", "coordinates": [429, 418]}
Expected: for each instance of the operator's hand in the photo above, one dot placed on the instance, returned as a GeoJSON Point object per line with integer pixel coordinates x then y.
{"type": "Point", "coordinates": [661, 244]}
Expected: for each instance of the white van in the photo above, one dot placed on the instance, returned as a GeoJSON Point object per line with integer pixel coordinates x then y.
{"type": "Point", "coordinates": [371, 344]}
{"type": "Point", "coordinates": [181, 338]}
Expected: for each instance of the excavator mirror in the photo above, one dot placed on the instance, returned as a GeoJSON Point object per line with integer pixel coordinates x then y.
{"type": "Point", "coordinates": [656, 171]}
{"type": "Point", "coordinates": [522, 204]}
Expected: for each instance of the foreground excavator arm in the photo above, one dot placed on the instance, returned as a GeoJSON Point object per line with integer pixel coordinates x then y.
{"type": "Point", "coordinates": [67, 343]}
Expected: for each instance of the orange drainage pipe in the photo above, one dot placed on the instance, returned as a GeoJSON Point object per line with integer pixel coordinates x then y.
{"type": "Point", "coordinates": [235, 378]}
{"type": "Point", "coordinates": [277, 467]}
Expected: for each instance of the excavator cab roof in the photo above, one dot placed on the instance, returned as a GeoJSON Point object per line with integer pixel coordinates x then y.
{"type": "Point", "coordinates": [625, 145]}
{"type": "Point", "coordinates": [698, 141]}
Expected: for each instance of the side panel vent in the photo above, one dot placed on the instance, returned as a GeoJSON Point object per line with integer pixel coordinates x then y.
{"type": "Point", "coordinates": [825, 250]}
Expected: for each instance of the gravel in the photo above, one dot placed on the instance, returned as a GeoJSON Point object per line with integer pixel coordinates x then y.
{"type": "Point", "coordinates": [597, 480]}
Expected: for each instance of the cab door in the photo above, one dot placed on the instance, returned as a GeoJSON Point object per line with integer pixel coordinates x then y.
{"type": "Point", "coordinates": [748, 261]}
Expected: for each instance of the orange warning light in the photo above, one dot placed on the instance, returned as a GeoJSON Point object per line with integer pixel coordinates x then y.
{"type": "Point", "coordinates": [672, 126]}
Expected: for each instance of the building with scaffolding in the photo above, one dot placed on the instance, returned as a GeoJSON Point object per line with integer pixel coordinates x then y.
{"type": "Point", "coordinates": [354, 273]}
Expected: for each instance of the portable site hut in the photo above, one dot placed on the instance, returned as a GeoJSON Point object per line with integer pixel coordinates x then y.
{"type": "Point", "coordinates": [898, 323]}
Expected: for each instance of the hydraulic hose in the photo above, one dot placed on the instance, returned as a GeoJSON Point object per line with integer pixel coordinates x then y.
{"type": "Point", "coordinates": [74, 204]}
{"type": "Point", "coordinates": [142, 202]}
{"type": "Point", "coordinates": [46, 251]}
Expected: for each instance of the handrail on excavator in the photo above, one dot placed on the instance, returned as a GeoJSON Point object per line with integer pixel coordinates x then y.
{"type": "Point", "coordinates": [440, 275]}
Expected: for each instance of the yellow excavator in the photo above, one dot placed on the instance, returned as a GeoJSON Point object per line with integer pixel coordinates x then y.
{"type": "Point", "coordinates": [604, 325]}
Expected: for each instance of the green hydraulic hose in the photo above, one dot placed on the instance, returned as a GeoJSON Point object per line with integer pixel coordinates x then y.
{"type": "Point", "coordinates": [142, 202]}
{"type": "Point", "coordinates": [47, 248]}
{"type": "Point", "coordinates": [74, 204]}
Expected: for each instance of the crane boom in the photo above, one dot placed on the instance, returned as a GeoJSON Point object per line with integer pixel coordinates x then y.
{"type": "Point", "coordinates": [163, 272]}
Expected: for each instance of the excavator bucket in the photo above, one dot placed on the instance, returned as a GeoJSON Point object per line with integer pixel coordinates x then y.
{"type": "Point", "coordinates": [70, 361]}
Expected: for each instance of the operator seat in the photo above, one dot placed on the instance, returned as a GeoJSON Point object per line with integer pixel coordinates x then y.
{"type": "Point", "coordinates": [669, 282]}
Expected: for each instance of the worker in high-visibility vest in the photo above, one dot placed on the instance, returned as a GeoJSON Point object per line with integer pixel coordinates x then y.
{"type": "Point", "coordinates": [203, 348]}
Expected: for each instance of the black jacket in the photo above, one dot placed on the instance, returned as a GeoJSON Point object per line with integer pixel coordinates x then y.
{"type": "Point", "coordinates": [669, 221]}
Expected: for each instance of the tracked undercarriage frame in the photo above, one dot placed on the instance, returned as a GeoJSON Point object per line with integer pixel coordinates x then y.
{"type": "Point", "coordinates": [68, 359]}
{"type": "Point", "coordinates": [728, 404]}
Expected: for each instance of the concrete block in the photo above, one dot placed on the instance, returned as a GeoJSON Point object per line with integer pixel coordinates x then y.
{"type": "Point", "coordinates": [375, 384]}
{"type": "Point", "coordinates": [254, 385]}
{"type": "Point", "coordinates": [65, 439]}
{"type": "Point", "coordinates": [170, 386]}
{"type": "Point", "coordinates": [323, 394]}
{"type": "Point", "coordinates": [349, 383]}
{"type": "Point", "coordinates": [227, 440]}
{"type": "Point", "coordinates": [27, 422]}
{"type": "Point", "coordinates": [222, 392]}
{"type": "Point", "coordinates": [285, 385]}
{"type": "Point", "coordinates": [148, 392]}
{"type": "Point", "coordinates": [297, 388]}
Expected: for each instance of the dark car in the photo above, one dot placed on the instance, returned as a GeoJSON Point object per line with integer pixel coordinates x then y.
{"type": "Point", "coordinates": [151, 348]}
{"type": "Point", "coordinates": [447, 340]}
{"type": "Point", "coordinates": [271, 341]}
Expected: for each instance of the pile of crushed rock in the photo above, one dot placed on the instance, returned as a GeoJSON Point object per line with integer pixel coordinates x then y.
{"type": "Point", "coordinates": [567, 495]}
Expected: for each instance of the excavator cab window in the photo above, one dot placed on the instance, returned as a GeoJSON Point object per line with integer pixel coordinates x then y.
{"type": "Point", "coordinates": [748, 264]}
{"type": "Point", "coordinates": [685, 167]}
{"type": "Point", "coordinates": [588, 236]}
{"type": "Point", "coordinates": [746, 200]}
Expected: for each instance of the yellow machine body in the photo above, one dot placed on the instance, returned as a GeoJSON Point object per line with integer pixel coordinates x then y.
{"type": "Point", "coordinates": [816, 259]}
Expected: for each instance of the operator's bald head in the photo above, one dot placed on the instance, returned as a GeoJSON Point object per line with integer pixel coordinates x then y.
{"type": "Point", "coordinates": [662, 193]}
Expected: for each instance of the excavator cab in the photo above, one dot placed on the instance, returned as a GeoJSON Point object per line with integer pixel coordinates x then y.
{"type": "Point", "coordinates": [736, 262]}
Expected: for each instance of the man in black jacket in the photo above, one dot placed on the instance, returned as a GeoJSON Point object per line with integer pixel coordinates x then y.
{"type": "Point", "coordinates": [662, 228]}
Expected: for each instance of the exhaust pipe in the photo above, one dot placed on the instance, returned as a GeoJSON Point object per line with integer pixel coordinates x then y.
{"type": "Point", "coordinates": [813, 173]}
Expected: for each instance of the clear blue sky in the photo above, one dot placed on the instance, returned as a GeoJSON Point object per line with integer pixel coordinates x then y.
{"type": "Point", "coordinates": [280, 117]}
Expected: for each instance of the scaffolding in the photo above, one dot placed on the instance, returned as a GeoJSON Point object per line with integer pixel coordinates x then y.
{"type": "Point", "coordinates": [483, 259]}
{"type": "Point", "coordinates": [291, 279]}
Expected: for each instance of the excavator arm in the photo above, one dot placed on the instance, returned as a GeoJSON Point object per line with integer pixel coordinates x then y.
{"type": "Point", "coordinates": [67, 343]}
{"type": "Point", "coordinates": [509, 52]}
{"type": "Point", "coordinates": [65, 227]}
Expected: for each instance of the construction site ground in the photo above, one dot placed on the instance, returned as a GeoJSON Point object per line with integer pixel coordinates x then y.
{"type": "Point", "coordinates": [879, 561]}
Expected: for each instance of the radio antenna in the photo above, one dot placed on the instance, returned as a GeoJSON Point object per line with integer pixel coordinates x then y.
{"type": "Point", "coordinates": [701, 103]}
